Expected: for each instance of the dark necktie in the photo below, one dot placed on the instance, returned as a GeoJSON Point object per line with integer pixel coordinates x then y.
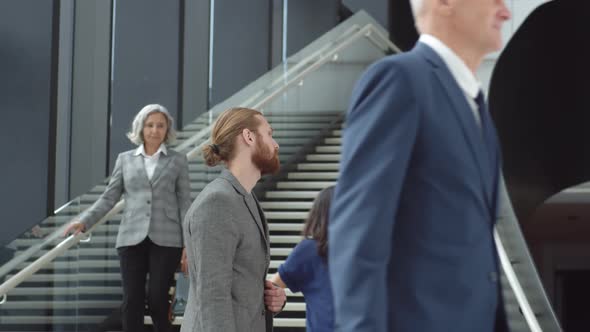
{"type": "Point", "coordinates": [487, 128]}
{"type": "Point", "coordinates": [490, 143]}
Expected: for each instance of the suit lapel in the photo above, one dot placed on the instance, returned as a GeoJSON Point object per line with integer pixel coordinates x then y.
{"type": "Point", "coordinates": [257, 214]}
{"type": "Point", "coordinates": [137, 164]}
{"type": "Point", "coordinates": [163, 161]}
{"type": "Point", "coordinates": [462, 111]}
{"type": "Point", "coordinates": [253, 207]}
{"type": "Point", "coordinates": [263, 221]}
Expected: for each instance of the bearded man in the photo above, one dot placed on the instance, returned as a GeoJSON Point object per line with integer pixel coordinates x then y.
{"type": "Point", "coordinates": [226, 234]}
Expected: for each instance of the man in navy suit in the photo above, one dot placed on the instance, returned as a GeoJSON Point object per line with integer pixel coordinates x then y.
{"type": "Point", "coordinates": [411, 244]}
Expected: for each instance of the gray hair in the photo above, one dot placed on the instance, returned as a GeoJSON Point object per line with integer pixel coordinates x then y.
{"type": "Point", "coordinates": [136, 133]}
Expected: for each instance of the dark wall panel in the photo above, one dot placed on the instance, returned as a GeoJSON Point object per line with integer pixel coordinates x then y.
{"type": "Point", "coordinates": [240, 45]}
{"type": "Point", "coordinates": [378, 9]}
{"type": "Point", "coordinates": [309, 19]}
{"type": "Point", "coordinates": [145, 63]}
{"type": "Point", "coordinates": [25, 85]}
{"type": "Point", "coordinates": [195, 94]}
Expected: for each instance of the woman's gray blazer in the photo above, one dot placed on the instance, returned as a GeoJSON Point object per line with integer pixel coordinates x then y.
{"type": "Point", "coordinates": [227, 244]}
{"type": "Point", "coordinates": [153, 208]}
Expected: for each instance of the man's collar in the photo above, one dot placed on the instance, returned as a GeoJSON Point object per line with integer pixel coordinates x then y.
{"type": "Point", "coordinates": [461, 73]}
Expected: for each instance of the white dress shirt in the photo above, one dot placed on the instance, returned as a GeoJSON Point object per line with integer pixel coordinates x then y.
{"type": "Point", "coordinates": [461, 73]}
{"type": "Point", "coordinates": [150, 162]}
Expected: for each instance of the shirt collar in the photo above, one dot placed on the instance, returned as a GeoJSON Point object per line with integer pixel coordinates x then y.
{"type": "Point", "coordinates": [141, 151]}
{"type": "Point", "coordinates": [464, 77]}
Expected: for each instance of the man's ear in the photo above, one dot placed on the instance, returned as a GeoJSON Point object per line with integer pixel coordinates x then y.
{"type": "Point", "coordinates": [248, 136]}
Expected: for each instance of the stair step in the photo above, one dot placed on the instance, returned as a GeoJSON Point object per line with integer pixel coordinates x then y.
{"type": "Point", "coordinates": [328, 149]}
{"type": "Point", "coordinates": [94, 290]}
{"type": "Point", "coordinates": [333, 140]}
{"type": "Point", "coordinates": [285, 227]}
{"type": "Point", "coordinates": [274, 119]}
{"type": "Point", "coordinates": [318, 167]}
{"type": "Point", "coordinates": [280, 251]}
{"type": "Point", "coordinates": [286, 205]}
{"type": "Point", "coordinates": [323, 157]}
{"type": "Point", "coordinates": [292, 194]}
{"type": "Point", "coordinates": [293, 239]}
{"type": "Point", "coordinates": [82, 319]}
{"type": "Point", "coordinates": [81, 264]}
{"type": "Point", "coordinates": [285, 125]}
{"type": "Point", "coordinates": [313, 175]}
{"type": "Point", "coordinates": [55, 304]}
{"type": "Point", "coordinates": [285, 215]}
{"type": "Point", "coordinates": [48, 277]}
{"type": "Point", "coordinates": [305, 184]}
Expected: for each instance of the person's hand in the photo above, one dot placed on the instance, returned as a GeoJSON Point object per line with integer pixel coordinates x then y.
{"type": "Point", "coordinates": [75, 227]}
{"type": "Point", "coordinates": [274, 297]}
{"type": "Point", "coordinates": [184, 262]}
{"type": "Point", "coordinates": [37, 231]}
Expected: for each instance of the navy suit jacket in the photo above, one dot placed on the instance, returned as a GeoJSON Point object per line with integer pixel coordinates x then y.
{"type": "Point", "coordinates": [411, 243]}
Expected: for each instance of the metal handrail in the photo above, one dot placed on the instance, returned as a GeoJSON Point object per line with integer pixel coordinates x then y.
{"type": "Point", "coordinates": [59, 249]}
{"type": "Point", "coordinates": [72, 240]}
{"type": "Point", "coordinates": [248, 102]}
{"type": "Point", "coordinates": [523, 302]}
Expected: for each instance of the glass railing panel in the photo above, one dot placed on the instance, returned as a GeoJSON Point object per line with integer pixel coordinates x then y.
{"type": "Point", "coordinates": [328, 86]}
{"type": "Point", "coordinates": [295, 66]}
{"type": "Point", "coordinates": [47, 299]}
{"type": "Point", "coordinates": [38, 240]}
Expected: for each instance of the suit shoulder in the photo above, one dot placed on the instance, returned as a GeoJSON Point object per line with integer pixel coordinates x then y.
{"type": "Point", "coordinates": [399, 64]}
{"type": "Point", "coordinates": [126, 154]}
{"type": "Point", "coordinates": [214, 201]}
{"type": "Point", "coordinates": [218, 191]}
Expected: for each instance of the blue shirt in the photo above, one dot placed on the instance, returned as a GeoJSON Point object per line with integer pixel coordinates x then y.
{"type": "Point", "coordinates": [305, 271]}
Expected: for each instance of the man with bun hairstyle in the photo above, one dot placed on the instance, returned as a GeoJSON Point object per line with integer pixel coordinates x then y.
{"type": "Point", "coordinates": [226, 233]}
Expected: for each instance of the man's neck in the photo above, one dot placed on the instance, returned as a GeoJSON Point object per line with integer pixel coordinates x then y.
{"type": "Point", "coordinates": [246, 173]}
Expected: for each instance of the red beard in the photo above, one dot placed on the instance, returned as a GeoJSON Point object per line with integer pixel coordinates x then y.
{"type": "Point", "coordinates": [266, 160]}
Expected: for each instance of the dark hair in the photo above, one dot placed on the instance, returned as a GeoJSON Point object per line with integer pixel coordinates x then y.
{"type": "Point", "coordinates": [316, 225]}
{"type": "Point", "coordinates": [228, 126]}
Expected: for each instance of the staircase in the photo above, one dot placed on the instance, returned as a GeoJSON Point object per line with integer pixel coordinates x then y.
{"type": "Point", "coordinates": [79, 289]}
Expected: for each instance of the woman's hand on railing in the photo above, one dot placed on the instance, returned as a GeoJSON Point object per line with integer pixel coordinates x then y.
{"type": "Point", "coordinates": [75, 227]}
{"type": "Point", "coordinates": [184, 262]}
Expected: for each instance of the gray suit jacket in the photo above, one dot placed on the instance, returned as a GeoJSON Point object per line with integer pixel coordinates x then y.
{"type": "Point", "coordinates": [153, 208]}
{"type": "Point", "coordinates": [227, 244]}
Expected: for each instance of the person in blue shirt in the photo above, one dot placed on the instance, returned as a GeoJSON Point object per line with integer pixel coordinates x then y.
{"type": "Point", "coordinates": [306, 268]}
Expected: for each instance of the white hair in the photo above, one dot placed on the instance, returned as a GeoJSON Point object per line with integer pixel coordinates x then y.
{"type": "Point", "coordinates": [136, 133]}
{"type": "Point", "coordinates": [417, 6]}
